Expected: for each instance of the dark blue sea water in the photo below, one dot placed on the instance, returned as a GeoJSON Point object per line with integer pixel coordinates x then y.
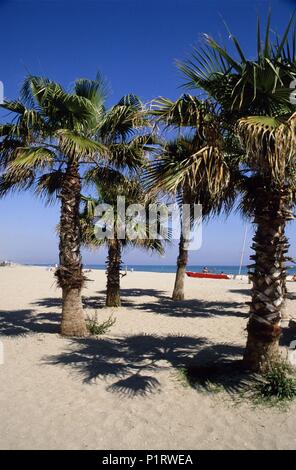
{"type": "Point", "coordinates": [171, 268]}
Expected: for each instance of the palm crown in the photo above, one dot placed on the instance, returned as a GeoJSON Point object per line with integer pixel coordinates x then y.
{"type": "Point", "coordinates": [246, 87]}
{"type": "Point", "coordinates": [50, 126]}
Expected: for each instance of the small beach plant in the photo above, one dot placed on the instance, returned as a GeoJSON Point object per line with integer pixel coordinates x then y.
{"type": "Point", "coordinates": [99, 328]}
{"type": "Point", "coordinates": [277, 383]}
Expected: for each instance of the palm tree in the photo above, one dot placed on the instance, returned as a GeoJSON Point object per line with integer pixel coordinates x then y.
{"type": "Point", "coordinates": [109, 185]}
{"type": "Point", "coordinates": [253, 96]}
{"type": "Point", "coordinates": [55, 134]}
{"type": "Point", "coordinates": [126, 133]}
{"type": "Point", "coordinates": [193, 166]}
{"type": "Point", "coordinates": [273, 196]}
{"type": "Point", "coordinates": [50, 137]}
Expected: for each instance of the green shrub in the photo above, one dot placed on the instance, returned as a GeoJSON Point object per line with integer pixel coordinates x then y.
{"type": "Point", "coordinates": [96, 328]}
{"type": "Point", "coordinates": [276, 383]}
{"type": "Point", "coordinates": [274, 386]}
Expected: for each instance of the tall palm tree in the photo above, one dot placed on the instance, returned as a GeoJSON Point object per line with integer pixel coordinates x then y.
{"type": "Point", "coordinates": [109, 185]}
{"type": "Point", "coordinates": [253, 96]}
{"type": "Point", "coordinates": [273, 196]}
{"type": "Point", "coordinates": [49, 138]}
{"type": "Point", "coordinates": [55, 134]}
{"type": "Point", "coordinates": [193, 166]}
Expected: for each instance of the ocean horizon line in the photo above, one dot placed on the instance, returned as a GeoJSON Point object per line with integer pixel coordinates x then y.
{"type": "Point", "coordinates": [171, 268]}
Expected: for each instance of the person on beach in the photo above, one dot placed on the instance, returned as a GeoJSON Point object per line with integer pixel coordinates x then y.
{"type": "Point", "coordinates": [205, 270]}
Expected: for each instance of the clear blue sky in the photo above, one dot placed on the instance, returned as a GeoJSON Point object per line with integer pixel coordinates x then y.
{"type": "Point", "coordinates": [134, 43]}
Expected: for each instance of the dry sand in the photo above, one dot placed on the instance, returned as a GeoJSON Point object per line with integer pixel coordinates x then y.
{"type": "Point", "coordinates": [121, 391]}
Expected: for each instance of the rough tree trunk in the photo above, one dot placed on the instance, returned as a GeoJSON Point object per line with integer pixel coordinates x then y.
{"type": "Point", "coordinates": [113, 274]}
{"type": "Point", "coordinates": [69, 274]}
{"type": "Point", "coordinates": [268, 277]}
{"type": "Point", "coordinates": [178, 293]}
{"type": "Point", "coordinates": [285, 317]}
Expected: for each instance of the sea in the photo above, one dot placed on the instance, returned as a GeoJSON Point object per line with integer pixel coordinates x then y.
{"type": "Point", "coordinates": [171, 268]}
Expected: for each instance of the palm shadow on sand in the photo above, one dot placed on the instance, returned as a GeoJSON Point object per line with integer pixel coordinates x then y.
{"type": "Point", "coordinates": [162, 304]}
{"type": "Point", "coordinates": [98, 301]}
{"type": "Point", "coordinates": [246, 292]}
{"type": "Point", "coordinates": [159, 302]}
{"type": "Point", "coordinates": [19, 322]}
{"type": "Point", "coordinates": [134, 362]}
{"type": "Point", "coordinates": [194, 308]}
{"type": "Point", "coordinates": [22, 322]}
{"type": "Point", "coordinates": [91, 302]}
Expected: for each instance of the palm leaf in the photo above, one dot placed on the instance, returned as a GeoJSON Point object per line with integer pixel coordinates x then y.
{"type": "Point", "coordinates": [32, 157]}
{"type": "Point", "coordinates": [75, 145]}
{"type": "Point", "coordinates": [185, 111]}
{"type": "Point", "coordinates": [49, 185]}
{"type": "Point", "coordinates": [96, 91]}
{"type": "Point", "coordinates": [16, 180]}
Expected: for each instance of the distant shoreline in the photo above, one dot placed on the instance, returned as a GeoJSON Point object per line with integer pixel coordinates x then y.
{"type": "Point", "coordinates": [171, 268]}
{"type": "Point", "coordinates": [165, 268]}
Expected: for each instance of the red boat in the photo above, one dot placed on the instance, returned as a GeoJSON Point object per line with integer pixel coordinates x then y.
{"type": "Point", "coordinates": [207, 275]}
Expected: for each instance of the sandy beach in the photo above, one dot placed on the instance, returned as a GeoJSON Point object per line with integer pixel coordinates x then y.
{"type": "Point", "coordinates": [121, 391]}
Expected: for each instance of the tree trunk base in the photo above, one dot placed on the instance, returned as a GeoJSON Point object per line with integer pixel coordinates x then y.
{"type": "Point", "coordinates": [178, 292]}
{"type": "Point", "coordinates": [113, 299]}
{"type": "Point", "coordinates": [260, 353]}
{"type": "Point", "coordinates": [178, 295]}
{"type": "Point", "coordinates": [73, 321]}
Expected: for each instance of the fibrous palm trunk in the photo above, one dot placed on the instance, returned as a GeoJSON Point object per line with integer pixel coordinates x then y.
{"type": "Point", "coordinates": [178, 293]}
{"type": "Point", "coordinates": [69, 274]}
{"type": "Point", "coordinates": [113, 274]}
{"type": "Point", "coordinates": [285, 317]}
{"type": "Point", "coordinates": [268, 277]}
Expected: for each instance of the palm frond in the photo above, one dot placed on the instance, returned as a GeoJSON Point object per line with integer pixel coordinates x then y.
{"type": "Point", "coordinates": [257, 134]}
{"type": "Point", "coordinates": [14, 106]}
{"type": "Point", "coordinates": [32, 157]}
{"type": "Point", "coordinates": [185, 111]}
{"type": "Point", "coordinates": [96, 91]}
{"type": "Point", "coordinates": [122, 120]}
{"type": "Point", "coordinates": [185, 165]}
{"type": "Point", "coordinates": [49, 185]}
{"type": "Point", "coordinates": [132, 154]}
{"type": "Point", "coordinates": [255, 87]}
{"type": "Point", "coordinates": [20, 180]}
{"type": "Point", "coordinates": [76, 145]}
